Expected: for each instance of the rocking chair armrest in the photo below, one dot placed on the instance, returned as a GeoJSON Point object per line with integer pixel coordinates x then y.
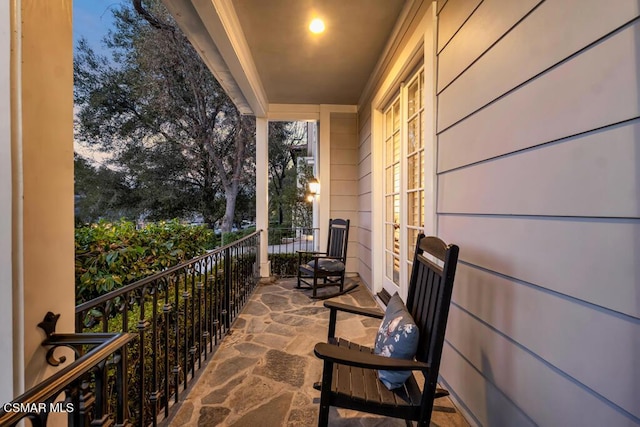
{"type": "Point", "coordinates": [310, 252]}
{"type": "Point", "coordinates": [307, 253]}
{"type": "Point", "coordinates": [368, 312]}
{"type": "Point", "coordinates": [344, 356]}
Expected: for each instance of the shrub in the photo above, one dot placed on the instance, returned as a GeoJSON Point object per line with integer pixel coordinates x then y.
{"type": "Point", "coordinates": [113, 254]}
{"type": "Point", "coordinates": [232, 236]}
{"type": "Point", "coordinates": [285, 264]}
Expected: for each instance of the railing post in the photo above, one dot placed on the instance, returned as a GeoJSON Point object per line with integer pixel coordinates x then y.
{"type": "Point", "coordinates": [101, 406]}
{"type": "Point", "coordinates": [142, 327]}
{"type": "Point", "coordinates": [121, 386]}
{"type": "Point", "coordinates": [227, 288]}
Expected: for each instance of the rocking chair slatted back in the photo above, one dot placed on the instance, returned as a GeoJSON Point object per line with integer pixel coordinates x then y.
{"type": "Point", "coordinates": [338, 239]}
{"type": "Point", "coordinates": [429, 298]}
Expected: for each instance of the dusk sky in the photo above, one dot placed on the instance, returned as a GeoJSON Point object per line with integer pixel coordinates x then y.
{"type": "Point", "coordinates": [92, 19]}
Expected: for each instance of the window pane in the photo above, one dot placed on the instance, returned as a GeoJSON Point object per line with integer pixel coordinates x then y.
{"type": "Point", "coordinates": [414, 209]}
{"type": "Point", "coordinates": [393, 268]}
{"type": "Point", "coordinates": [389, 214]}
{"type": "Point", "coordinates": [388, 157]}
{"type": "Point", "coordinates": [396, 116]}
{"type": "Point", "coordinates": [413, 140]}
{"type": "Point", "coordinates": [413, 98]}
{"type": "Point", "coordinates": [411, 242]}
{"type": "Point", "coordinates": [413, 171]}
{"type": "Point", "coordinates": [396, 147]}
{"type": "Point", "coordinates": [396, 178]}
{"type": "Point", "coordinates": [396, 210]}
{"type": "Point", "coordinates": [389, 237]}
{"type": "Point", "coordinates": [420, 143]}
{"type": "Point", "coordinates": [421, 95]}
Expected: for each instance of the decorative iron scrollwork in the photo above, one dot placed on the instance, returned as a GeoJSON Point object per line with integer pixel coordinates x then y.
{"type": "Point", "coordinates": [48, 325]}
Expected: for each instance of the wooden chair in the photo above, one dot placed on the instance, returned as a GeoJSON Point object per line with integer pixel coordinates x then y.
{"type": "Point", "coordinates": [349, 378]}
{"type": "Point", "coordinates": [326, 268]}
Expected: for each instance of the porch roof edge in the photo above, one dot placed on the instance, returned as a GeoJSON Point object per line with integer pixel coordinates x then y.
{"type": "Point", "coordinates": [214, 30]}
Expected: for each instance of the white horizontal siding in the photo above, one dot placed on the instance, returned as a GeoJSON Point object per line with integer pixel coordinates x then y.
{"type": "Point", "coordinates": [594, 89]}
{"type": "Point", "coordinates": [343, 173]}
{"type": "Point", "coordinates": [491, 20]}
{"type": "Point", "coordinates": [344, 188]}
{"type": "Point", "coordinates": [575, 257]}
{"type": "Point", "coordinates": [364, 185]}
{"type": "Point", "coordinates": [589, 175]}
{"type": "Point", "coordinates": [364, 195]}
{"type": "Point", "coordinates": [344, 203]}
{"type": "Point", "coordinates": [538, 183]}
{"type": "Point", "coordinates": [343, 194]}
{"type": "Point", "coordinates": [486, 403]}
{"type": "Point", "coordinates": [532, 54]}
{"type": "Point", "coordinates": [543, 322]}
{"type": "Point", "coordinates": [545, 395]}
{"type": "Point", "coordinates": [452, 17]}
{"type": "Point", "coordinates": [344, 156]}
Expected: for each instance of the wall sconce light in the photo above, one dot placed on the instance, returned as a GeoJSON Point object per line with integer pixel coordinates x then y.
{"type": "Point", "coordinates": [314, 187]}
{"type": "Point", "coordinates": [310, 198]}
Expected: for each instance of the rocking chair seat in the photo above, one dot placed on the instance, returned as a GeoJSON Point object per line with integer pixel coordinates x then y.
{"type": "Point", "coordinates": [329, 265]}
{"type": "Point", "coordinates": [356, 380]}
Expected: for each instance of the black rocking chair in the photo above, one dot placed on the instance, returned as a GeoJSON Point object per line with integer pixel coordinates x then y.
{"type": "Point", "coordinates": [349, 378]}
{"type": "Point", "coordinates": [327, 268]}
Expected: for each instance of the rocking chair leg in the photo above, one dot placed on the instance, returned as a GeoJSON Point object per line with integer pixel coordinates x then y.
{"type": "Point", "coordinates": [327, 373]}
{"type": "Point", "coordinates": [315, 286]}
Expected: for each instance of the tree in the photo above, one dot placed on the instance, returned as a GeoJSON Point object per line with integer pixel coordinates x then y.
{"type": "Point", "coordinates": [101, 192]}
{"type": "Point", "coordinates": [287, 142]}
{"type": "Point", "coordinates": [154, 104]}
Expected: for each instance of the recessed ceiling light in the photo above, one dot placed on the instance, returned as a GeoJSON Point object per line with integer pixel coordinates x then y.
{"type": "Point", "coordinates": [316, 26]}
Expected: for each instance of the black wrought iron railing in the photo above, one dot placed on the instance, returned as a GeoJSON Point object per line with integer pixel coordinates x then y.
{"type": "Point", "coordinates": [284, 244]}
{"type": "Point", "coordinates": [179, 316]}
{"type": "Point", "coordinates": [89, 391]}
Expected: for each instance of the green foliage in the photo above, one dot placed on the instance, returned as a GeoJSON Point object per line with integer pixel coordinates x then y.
{"type": "Point", "coordinates": [285, 265]}
{"type": "Point", "coordinates": [287, 183]}
{"type": "Point", "coordinates": [231, 237]}
{"type": "Point", "coordinates": [113, 254]}
{"type": "Point", "coordinates": [101, 192]}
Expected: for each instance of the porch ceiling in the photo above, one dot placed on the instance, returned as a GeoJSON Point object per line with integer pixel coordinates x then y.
{"type": "Point", "coordinates": [263, 52]}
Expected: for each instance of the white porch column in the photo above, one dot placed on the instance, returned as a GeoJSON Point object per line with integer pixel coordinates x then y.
{"type": "Point", "coordinates": [262, 191]}
{"type": "Point", "coordinates": [36, 186]}
{"type": "Point", "coordinates": [324, 176]}
{"type": "Point", "coordinates": [6, 278]}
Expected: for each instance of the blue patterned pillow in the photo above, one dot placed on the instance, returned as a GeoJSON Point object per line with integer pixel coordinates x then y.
{"type": "Point", "coordinates": [397, 337]}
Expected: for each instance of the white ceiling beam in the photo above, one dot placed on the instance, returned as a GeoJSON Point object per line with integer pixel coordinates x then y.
{"type": "Point", "coordinates": [220, 19]}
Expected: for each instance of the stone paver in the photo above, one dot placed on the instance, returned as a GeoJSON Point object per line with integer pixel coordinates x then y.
{"type": "Point", "coordinates": [263, 372]}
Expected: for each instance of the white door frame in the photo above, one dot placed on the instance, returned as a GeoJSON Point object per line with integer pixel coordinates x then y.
{"type": "Point", "coordinates": [421, 47]}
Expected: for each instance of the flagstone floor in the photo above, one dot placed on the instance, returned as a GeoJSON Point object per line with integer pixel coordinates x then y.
{"type": "Point", "coordinates": [264, 370]}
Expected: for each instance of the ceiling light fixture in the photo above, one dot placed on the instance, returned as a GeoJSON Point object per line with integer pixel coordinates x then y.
{"type": "Point", "coordinates": [316, 26]}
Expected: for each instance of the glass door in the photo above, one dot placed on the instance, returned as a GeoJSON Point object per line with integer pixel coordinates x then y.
{"type": "Point", "coordinates": [414, 161]}
{"type": "Point", "coordinates": [404, 197]}
{"type": "Point", "coordinates": [392, 186]}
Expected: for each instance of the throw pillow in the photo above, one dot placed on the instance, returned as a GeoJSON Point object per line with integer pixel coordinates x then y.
{"type": "Point", "coordinates": [398, 338]}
